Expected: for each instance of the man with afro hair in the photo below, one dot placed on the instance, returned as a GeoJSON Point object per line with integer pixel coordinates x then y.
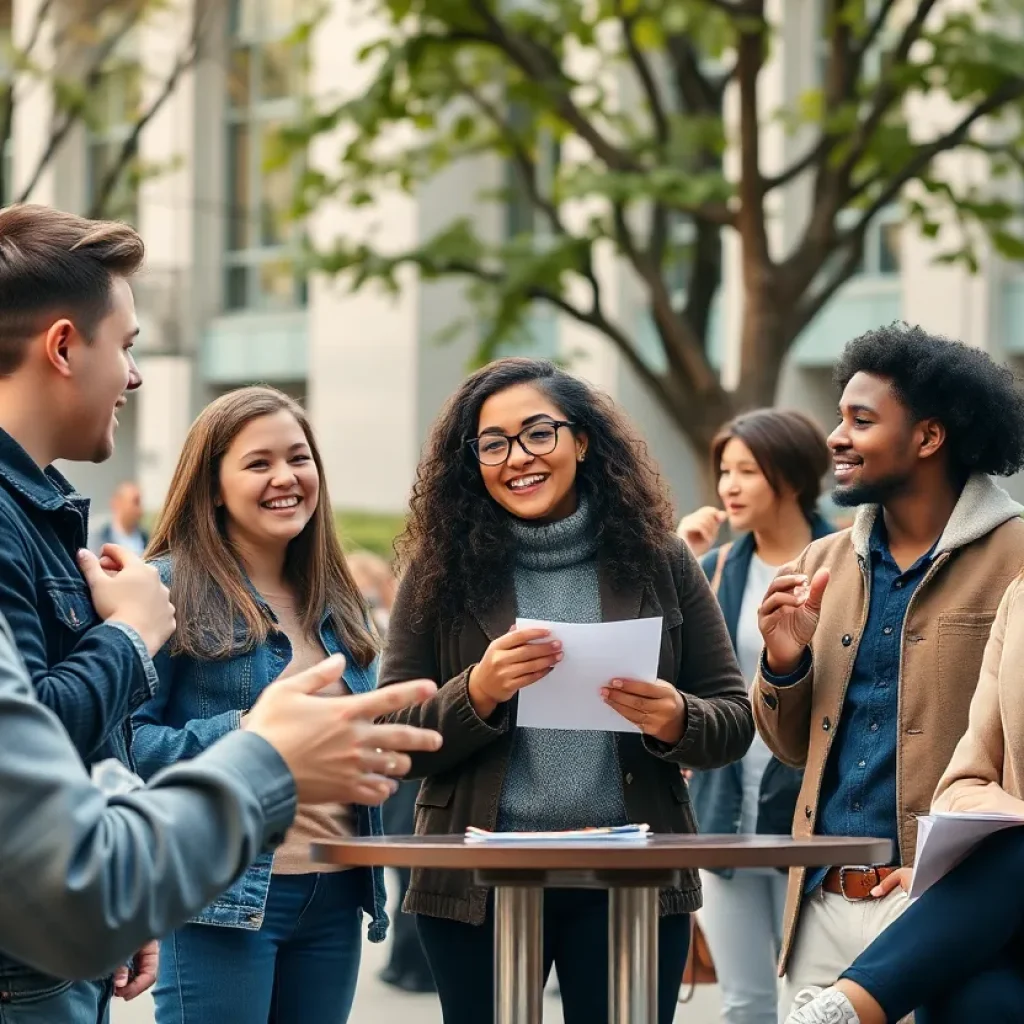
{"type": "Point", "coordinates": [874, 638]}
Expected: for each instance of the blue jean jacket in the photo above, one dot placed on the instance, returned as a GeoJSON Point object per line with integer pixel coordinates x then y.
{"type": "Point", "coordinates": [199, 701]}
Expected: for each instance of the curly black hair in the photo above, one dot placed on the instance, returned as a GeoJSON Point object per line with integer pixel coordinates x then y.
{"type": "Point", "coordinates": [457, 545]}
{"type": "Point", "coordinates": [978, 401]}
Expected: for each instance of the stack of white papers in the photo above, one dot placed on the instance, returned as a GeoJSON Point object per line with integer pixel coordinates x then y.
{"type": "Point", "coordinates": [621, 833]}
{"type": "Point", "coordinates": [944, 839]}
{"type": "Point", "coordinates": [569, 696]}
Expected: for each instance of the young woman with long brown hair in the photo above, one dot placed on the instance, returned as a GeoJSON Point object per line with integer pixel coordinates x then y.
{"type": "Point", "coordinates": [534, 497]}
{"type": "Point", "coordinates": [248, 547]}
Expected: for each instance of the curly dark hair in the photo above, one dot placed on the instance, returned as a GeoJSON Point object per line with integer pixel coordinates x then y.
{"type": "Point", "coordinates": [457, 543]}
{"type": "Point", "coordinates": [979, 402]}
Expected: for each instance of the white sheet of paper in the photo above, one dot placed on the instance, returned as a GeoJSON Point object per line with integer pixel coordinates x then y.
{"type": "Point", "coordinates": [944, 839]}
{"type": "Point", "coordinates": [569, 697]}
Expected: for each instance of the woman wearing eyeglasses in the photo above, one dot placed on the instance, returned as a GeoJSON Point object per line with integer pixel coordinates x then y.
{"type": "Point", "coordinates": [535, 498]}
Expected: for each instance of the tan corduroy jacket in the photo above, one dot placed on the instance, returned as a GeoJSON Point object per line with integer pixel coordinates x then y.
{"type": "Point", "coordinates": [944, 636]}
{"type": "Point", "coordinates": [987, 770]}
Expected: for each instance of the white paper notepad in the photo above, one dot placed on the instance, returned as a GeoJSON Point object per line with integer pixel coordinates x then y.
{"type": "Point", "coordinates": [945, 838]}
{"type": "Point", "coordinates": [569, 697]}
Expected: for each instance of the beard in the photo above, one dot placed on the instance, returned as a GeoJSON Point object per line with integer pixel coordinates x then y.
{"type": "Point", "coordinates": [875, 492]}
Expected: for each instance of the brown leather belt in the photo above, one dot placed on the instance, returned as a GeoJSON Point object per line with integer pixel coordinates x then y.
{"type": "Point", "coordinates": [854, 883]}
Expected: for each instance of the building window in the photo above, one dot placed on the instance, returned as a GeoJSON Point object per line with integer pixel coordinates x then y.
{"type": "Point", "coordinates": [881, 257]}
{"type": "Point", "coordinates": [266, 80]}
{"type": "Point", "coordinates": [521, 215]}
{"type": "Point", "coordinates": [112, 183]}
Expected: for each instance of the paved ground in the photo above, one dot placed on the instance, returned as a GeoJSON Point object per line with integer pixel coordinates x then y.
{"type": "Point", "coordinates": [376, 1003]}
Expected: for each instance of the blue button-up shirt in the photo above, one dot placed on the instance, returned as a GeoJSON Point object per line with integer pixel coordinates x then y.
{"type": "Point", "coordinates": [858, 793]}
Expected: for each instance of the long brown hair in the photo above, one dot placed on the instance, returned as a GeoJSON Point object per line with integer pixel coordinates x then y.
{"type": "Point", "coordinates": [208, 588]}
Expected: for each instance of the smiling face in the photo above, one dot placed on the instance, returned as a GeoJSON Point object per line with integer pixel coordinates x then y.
{"type": "Point", "coordinates": [875, 448]}
{"type": "Point", "coordinates": [102, 371]}
{"type": "Point", "coordinates": [746, 494]}
{"type": "Point", "coordinates": [534, 487]}
{"type": "Point", "coordinates": [269, 485]}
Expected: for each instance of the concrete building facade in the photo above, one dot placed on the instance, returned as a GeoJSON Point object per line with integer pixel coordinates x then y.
{"type": "Point", "coordinates": [222, 305]}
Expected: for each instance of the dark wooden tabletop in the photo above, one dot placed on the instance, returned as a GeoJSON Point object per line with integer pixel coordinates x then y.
{"type": "Point", "coordinates": [657, 853]}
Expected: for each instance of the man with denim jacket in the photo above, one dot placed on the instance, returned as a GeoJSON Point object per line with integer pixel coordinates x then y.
{"type": "Point", "coordinates": [87, 634]}
{"type": "Point", "coordinates": [86, 876]}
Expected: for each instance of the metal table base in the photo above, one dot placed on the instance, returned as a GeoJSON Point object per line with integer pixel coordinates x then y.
{"type": "Point", "coordinates": [632, 940]}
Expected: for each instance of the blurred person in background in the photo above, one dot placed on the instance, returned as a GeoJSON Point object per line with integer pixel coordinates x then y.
{"type": "Point", "coordinates": [407, 968]}
{"type": "Point", "coordinates": [125, 525]}
{"type": "Point", "coordinates": [770, 465]}
{"type": "Point", "coordinates": [247, 544]}
{"type": "Point", "coordinates": [536, 498]}
{"type": "Point", "coordinates": [376, 582]}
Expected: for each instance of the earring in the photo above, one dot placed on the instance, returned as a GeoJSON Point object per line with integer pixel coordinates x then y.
{"type": "Point", "coordinates": [581, 456]}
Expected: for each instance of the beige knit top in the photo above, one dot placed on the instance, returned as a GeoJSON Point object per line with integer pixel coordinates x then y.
{"type": "Point", "coordinates": [312, 823]}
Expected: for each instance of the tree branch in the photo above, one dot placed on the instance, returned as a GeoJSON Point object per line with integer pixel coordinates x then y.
{"type": "Point", "coordinates": [1008, 92]}
{"type": "Point", "coordinates": [643, 72]}
{"type": "Point", "coordinates": [130, 146]}
{"type": "Point", "coordinates": [750, 59]}
{"type": "Point", "coordinates": [61, 126]}
{"type": "Point", "coordinates": [812, 158]}
{"type": "Point", "coordinates": [525, 166]}
{"type": "Point", "coordinates": [886, 92]}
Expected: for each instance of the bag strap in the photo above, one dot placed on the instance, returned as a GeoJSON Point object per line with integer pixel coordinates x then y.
{"type": "Point", "coordinates": [723, 554]}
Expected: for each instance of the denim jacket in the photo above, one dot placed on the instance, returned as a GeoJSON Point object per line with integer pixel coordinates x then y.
{"type": "Point", "coordinates": [91, 674]}
{"type": "Point", "coordinates": [198, 702]}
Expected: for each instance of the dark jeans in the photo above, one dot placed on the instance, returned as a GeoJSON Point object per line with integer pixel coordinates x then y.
{"type": "Point", "coordinates": [461, 958]}
{"type": "Point", "coordinates": [299, 968]}
{"type": "Point", "coordinates": [957, 954]}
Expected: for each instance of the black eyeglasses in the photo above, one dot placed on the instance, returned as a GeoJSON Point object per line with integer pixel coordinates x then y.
{"type": "Point", "coordinates": [537, 439]}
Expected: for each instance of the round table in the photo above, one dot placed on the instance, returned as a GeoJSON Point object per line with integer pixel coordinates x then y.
{"type": "Point", "coordinates": [632, 872]}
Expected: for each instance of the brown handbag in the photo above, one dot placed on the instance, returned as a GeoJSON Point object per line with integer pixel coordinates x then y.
{"type": "Point", "coordinates": [700, 968]}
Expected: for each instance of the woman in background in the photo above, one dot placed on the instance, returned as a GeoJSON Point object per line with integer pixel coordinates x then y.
{"type": "Point", "coordinates": [247, 545]}
{"type": "Point", "coordinates": [535, 498]}
{"type": "Point", "coordinates": [769, 465]}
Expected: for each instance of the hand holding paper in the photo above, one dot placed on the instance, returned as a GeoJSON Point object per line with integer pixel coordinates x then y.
{"type": "Point", "coordinates": [658, 708]}
{"type": "Point", "coordinates": [569, 696]}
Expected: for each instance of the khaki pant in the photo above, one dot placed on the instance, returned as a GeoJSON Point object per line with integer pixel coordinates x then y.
{"type": "Point", "coordinates": [832, 932]}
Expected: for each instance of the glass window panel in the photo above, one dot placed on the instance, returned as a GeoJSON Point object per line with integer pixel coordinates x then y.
{"type": "Point", "coordinates": [243, 22]}
{"type": "Point", "coordinates": [277, 285]}
{"type": "Point", "coordinates": [237, 288]}
{"type": "Point", "coordinates": [889, 248]}
{"type": "Point", "coordinates": [278, 78]}
{"type": "Point", "coordinates": [277, 192]}
{"type": "Point", "coordinates": [240, 77]}
{"type": "Point", "coordinates": [282, 16]}
{"type": "Point", "coordinates": [239, 200]}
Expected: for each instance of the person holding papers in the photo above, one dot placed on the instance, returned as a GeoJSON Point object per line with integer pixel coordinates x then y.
{"type": "Point", "coordinates": [874, 636]}
{"type": "Point", "coordinates": [769, 464]}
{"type": "Point", "coordinates": [957, 954]}
{"type": "Point", "coordinates": [535, 499]}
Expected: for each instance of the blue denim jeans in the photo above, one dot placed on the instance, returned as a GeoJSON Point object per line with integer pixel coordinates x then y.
{"type": "Point", "coordinates": [301, 966]}
{"type": "Point", "coordinates": [64, 1002]}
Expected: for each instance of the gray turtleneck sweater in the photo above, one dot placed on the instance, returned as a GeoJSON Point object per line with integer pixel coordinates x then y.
{"type": "Point", "coordinates": [557, 778]}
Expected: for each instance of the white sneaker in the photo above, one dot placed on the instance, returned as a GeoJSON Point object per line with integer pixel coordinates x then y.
{"type": "Point", "coordinates": [828, 1007]}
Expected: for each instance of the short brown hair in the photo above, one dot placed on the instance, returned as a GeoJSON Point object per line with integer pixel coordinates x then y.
{"type": "Point", "coordinates": [789, 447]}
{"type": "Point", "coordinates": [56, 264]}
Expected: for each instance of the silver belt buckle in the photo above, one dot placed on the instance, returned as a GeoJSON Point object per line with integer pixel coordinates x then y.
{"type": "Point", "coordinates": [856, 867]}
